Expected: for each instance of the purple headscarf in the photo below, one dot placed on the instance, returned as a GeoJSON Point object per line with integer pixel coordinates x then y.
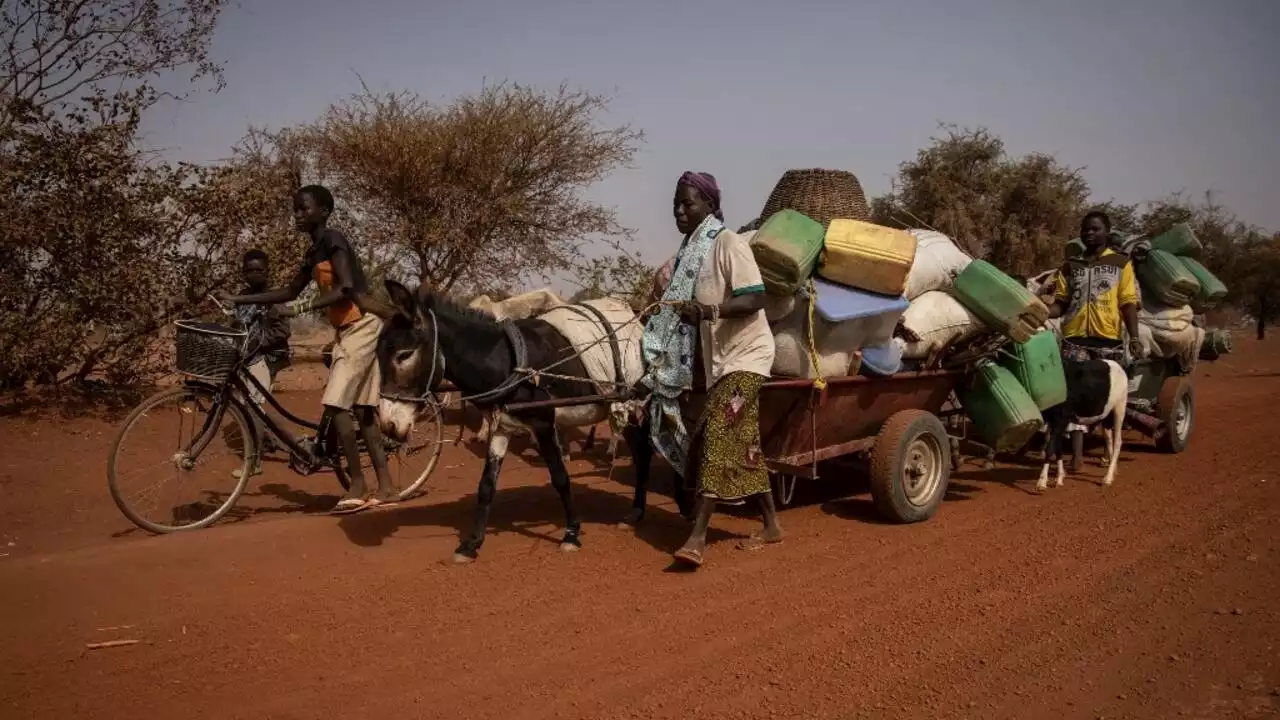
{"type": "Point", "coordinates": [706, 184]}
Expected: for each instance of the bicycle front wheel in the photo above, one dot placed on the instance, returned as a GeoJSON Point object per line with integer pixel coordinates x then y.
{"type": "Point", "coordinates": [191, 452]}
{"type": "Point", "coordinates": [412, 461]}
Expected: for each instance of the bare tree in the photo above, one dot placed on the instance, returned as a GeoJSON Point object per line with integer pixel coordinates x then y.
{"type": "Point", "coordinates": [60, 52]}
{"type": "Point", "coordinates": [482, 193]}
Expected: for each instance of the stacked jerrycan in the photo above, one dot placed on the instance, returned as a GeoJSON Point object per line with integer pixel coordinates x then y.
{"type": "Point", "coordinates": [1004, 399]}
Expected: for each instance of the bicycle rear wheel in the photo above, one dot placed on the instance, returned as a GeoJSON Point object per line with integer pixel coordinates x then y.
{"type": "Point", "coordinates": [186, 436]}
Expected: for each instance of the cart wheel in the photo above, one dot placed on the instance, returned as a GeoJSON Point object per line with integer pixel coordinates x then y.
{"type": "Point", "coordinates": [910, 466]}
{"type": "Point", "coordinates": [1176, 409]}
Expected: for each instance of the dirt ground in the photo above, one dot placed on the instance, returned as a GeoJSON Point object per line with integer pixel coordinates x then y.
{"type": "Point", "coordinates": [1155, 598]}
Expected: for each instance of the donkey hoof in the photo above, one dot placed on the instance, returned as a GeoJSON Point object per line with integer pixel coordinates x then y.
{"type": "Point", "coordinates": [463, 557]}
{"type": "Point", "coordinates": [632, 518]}
{"type": "Point", "coordinates": [571, 542]}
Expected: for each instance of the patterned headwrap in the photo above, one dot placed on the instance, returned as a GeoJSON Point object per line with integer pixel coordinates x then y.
{"type": "Point", "coordinates": [706, 184]}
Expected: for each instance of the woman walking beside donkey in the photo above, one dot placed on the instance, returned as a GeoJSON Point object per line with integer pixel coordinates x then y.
{"type": "Point", "coordinates": [715, 296]}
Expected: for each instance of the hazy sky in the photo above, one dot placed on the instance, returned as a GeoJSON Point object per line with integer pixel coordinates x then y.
{"type": "Point", "coordinates": [1150, 96]}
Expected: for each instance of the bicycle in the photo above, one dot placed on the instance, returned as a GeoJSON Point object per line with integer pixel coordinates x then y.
{"type": "Point", "coordinates": [212, 360]}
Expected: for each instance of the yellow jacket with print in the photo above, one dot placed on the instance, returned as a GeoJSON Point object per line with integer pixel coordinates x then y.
{"type": "Point", "coordinates": [1094, 290]}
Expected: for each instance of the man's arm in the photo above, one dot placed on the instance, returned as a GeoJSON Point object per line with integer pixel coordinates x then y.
{"type": "Point", "coordinates": [275, 330]}
{"type": "Point", "coordinates": [1127, 297]}
{"type": "Point", "coordinates": [277, 295]}
{"type": "Point", "coordinates": [1059, 304]}
{"type": "Point", "coordinates": [1130, 315]}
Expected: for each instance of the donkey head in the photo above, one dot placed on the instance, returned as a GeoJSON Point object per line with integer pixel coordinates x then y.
{"type": "Point", "coordinates": [409, 357]}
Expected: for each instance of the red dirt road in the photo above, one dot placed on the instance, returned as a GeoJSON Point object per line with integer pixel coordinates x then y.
{"type": "Point", "coordinates": [1155, 598]}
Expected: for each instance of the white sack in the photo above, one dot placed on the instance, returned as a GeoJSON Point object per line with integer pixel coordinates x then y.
{"type": "Point", "coordinates": [938, 319]}
{"type": "Point", "coordinates": [936, 264]}
{"type": "Point", "coordinates": [592, 341]}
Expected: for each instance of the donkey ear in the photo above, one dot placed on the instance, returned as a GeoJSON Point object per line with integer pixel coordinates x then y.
{"type": "Point", "coordinates": [404, 300]}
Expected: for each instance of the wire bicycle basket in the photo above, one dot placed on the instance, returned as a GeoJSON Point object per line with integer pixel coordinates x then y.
{"type": "Point", "coordinates": [208, 351]}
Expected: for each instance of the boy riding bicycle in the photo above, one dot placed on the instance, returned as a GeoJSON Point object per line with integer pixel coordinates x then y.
{"type": "Point", "coordinates": [354, 385]}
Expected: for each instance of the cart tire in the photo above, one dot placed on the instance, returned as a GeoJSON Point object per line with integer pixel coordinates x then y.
{"type": "Point", "coordinates": [910, 466]}
{"type": "Point", "coordinates": [1176, 409]}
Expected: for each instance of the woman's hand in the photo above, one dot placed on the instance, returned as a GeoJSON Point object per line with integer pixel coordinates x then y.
{"type": "Point", "coordinates": [693, 313]}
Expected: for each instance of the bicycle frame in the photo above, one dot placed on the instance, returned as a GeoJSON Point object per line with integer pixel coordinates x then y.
{"type": "Point", "coordinates": [235, 382]}
{"type": "Point", "coordinates": [242, 382]}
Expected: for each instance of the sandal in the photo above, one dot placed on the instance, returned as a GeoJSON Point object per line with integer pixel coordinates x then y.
{"type": "Point", "coordinates": [374, 502]}
{"type": "Point", "coordinates": [347, 506]}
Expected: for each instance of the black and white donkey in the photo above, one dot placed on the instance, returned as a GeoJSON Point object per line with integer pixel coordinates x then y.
{"type": "Point", "coordinates": [1096, 390]}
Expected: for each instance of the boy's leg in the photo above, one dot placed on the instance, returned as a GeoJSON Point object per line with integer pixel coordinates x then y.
{"type": "Point", "coordinates": [368, 419]}
{"type": "Point", "coordinates": [345, 431]}
{"type": "Point", "coordinates": [354, 381]}
{"type": "Point", "coordinates": [262, 373]}
{"type": "Point", "coordinates": [259, 372]}
{"type": "Point", "coordinates": [337, 431]}
{"type": "Point", "coordinates": [268, 380]}
{"type": "Point", "coordinates": [367, 395]}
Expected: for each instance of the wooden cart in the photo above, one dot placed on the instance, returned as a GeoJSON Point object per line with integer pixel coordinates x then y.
{"type": "Point", "coordinates": [895, 421]}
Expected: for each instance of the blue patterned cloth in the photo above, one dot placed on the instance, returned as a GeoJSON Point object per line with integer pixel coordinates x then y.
{"type": "Point", "coordinates": [669, 345]}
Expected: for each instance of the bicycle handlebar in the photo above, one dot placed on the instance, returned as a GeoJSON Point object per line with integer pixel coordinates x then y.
{"type": "Point", "coordinates": [225, 310]}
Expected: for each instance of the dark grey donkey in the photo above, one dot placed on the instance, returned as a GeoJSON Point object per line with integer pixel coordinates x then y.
{"type": "Point", "coordinates": [427, 337]}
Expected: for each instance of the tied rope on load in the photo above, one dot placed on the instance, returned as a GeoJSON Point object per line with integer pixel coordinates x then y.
{"type": "Point", "coordinates": [522, 373]}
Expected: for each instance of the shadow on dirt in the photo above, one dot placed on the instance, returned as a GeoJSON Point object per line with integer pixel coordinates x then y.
{"type": "Point", "coordinates": [535, 512]}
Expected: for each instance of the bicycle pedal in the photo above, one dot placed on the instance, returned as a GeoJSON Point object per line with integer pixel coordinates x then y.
{"type": "Point", "coordinates": [301, 466]}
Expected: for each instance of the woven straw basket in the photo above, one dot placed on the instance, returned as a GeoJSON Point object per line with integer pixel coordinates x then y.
{"type": "Point", "coordinates": [823, 195]}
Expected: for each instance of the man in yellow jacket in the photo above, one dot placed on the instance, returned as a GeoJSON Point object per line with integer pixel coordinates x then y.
{"type": "Point", "coordinates": [1096, 295]}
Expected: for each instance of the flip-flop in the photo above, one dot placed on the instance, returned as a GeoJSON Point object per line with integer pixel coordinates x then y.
{"type": "Point", "coordinates": [692, 558]}
{"type": "Point", "coordinates": [374, 503]}
{"type": "Point", "coordinates": [347, 506]}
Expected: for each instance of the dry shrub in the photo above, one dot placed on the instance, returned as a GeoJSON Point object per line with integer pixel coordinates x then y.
{"type": "Point", "coordinates": [100, 244]}
{"type": "Point", "coordinates": [100, 249]}
{"type": "Point", "coordinates": [483, 193]}
{"type": "Point", "coordinates": [1018, 212]}
{"type": "Point", "coordinates": [1013, 212]}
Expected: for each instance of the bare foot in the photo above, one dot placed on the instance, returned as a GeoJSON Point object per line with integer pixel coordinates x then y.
{"type": "Point", "coordinates": [689, 556]}
{"type": "Point", "coordinates": [386, 498]}
{"type": "Point", "coordinates": [761, 538]}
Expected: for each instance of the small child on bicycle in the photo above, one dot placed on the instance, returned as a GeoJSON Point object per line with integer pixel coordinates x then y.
{"type": "Point", "coordinates": [354, 382]}
{"type": "Point", "coordinates": [271, 353]}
